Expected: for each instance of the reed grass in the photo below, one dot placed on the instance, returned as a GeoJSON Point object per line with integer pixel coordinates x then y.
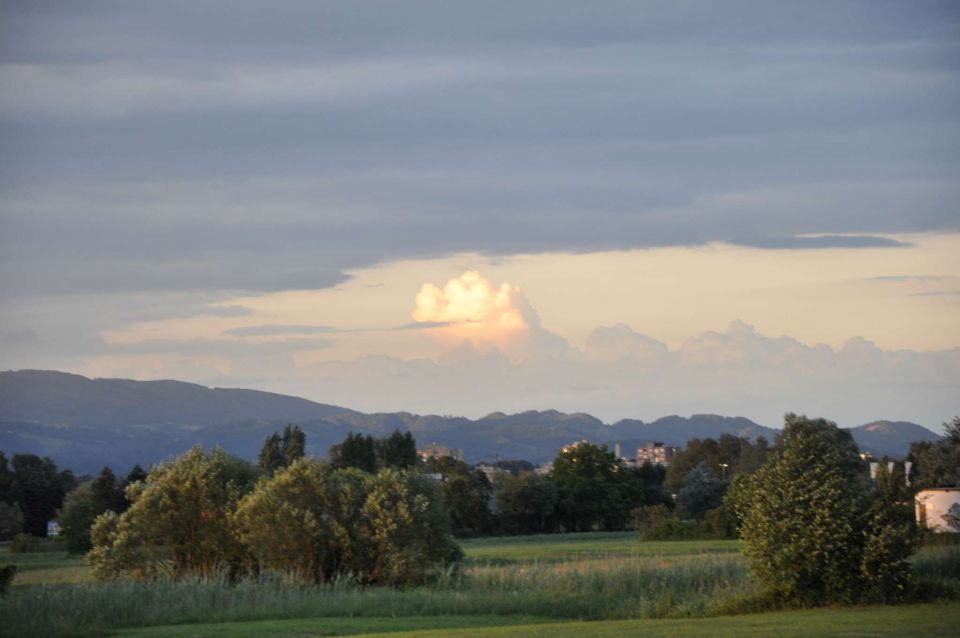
{"type": "Point", "coordinates": [614, 587]}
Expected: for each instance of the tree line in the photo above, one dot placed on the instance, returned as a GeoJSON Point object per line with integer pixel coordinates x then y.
{"type": "Point", "coordinates": [377, 512]}
{"type": "Point", "coordinates": [32, 490]}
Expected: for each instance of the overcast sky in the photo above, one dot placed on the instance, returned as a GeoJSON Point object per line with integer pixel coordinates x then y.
{"type": "Point", "coordinates": [258, 193]}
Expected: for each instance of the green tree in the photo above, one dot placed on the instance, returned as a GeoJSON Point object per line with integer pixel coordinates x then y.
{"type": "Point", "coordinates": [397, 451]}
{"type": "Point", "coordinates": [305, 520]}
{"type": "Point", "coordinates": [80, 509]}
{"type": "Point", "coordinates": [701, 491]}
{"type": "Point", "coordinates": [515, 466]}
{"type": "Point", "coordinates": [465, 493]}
{"type": "Point", "coordinates": [890, 538]}
{"type": "Point", "coordinates": [697, 451]}
{"type": "Point", "coordinates": [107, 495]}
{"type": "Point", "coordinates": [357, 451]}
{"type": "Point", "coordinates": [179, 520]}
{"type": "Point", "coordinates": [317, 523]}
{"type": "Point", "coordinates": [271, 454]}
{"type": "Point", "coordinates": [807, 521]}
{"type": "Point", "coordinates": [526, 503]}
{"type": "Point", "coordinates": [406, 529]}
{"type": "Point", "coordinates": [726, 457]}
{"type": "Point", "coordinates": [294, 444]}
{"type": "Point", "coordinates": [595, 488]}
{"type": "Point", "coordinates": [39, 489]}
{"type": "Point", "coordinates": [938, 464]}
{"type": "Point", "coordinates": [136, 473]}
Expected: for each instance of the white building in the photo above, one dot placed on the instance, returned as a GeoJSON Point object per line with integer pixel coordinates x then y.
{"type": "Point", "coordinates": [938, 509]}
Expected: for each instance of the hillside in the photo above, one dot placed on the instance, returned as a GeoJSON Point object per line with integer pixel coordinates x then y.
{"type": "Point", "coordinates": [49, 397]}
{"type": "Point", "coordinates": [86, 423]}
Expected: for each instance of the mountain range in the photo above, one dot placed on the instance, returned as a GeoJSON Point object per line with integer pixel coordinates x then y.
{"type": "Point", "coordinates": [84, 424]}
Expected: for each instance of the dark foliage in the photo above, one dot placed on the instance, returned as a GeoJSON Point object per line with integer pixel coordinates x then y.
{"type": "Point", "coordinates": [938, 464]}
{"type": "Point", "coordinates": [36, 485]}
{"type": "Point", "coordinates": [466, 494]}
{"type": "Point", "coordinates": [357, 451]}
{"type": "Point", "coordinates": [397, 451]}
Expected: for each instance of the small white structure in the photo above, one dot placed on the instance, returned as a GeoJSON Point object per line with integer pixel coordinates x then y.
{"type": "Point", "coordinates": [938, 509]}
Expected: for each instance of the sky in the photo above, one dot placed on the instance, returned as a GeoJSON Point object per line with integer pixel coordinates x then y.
{"type": "Point", "coordinates": [625, 209]}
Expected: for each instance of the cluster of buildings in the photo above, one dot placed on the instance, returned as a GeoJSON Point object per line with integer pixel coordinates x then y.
{"type": "Point", "coordinates": [653, 452]}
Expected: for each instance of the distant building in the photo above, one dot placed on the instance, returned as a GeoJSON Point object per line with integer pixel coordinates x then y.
{"type": "Point", "coordinates": [938, 509]}
{"type": "Point", "coordinates": [656, 453]}
{"type": "Point", "coordinates": [435, 450]}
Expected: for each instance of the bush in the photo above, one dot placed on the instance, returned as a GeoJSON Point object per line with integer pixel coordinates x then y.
{"type": "Point", "coordinates": [658, 523]}
{"type": "Point", "coordinates": [721, 522]}
{"type": "Point", "coordinates": [24, 543]}
{"type": "Point", "coordinates": [305, 521]}
{"type": "Point", "coordinates": [815, 531]}
{"type": "Point", "coordinates": [179, 520]}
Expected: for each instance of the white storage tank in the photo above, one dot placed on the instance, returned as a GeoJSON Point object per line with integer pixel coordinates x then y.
{"type": "Point", "coordinates": [938, 509]}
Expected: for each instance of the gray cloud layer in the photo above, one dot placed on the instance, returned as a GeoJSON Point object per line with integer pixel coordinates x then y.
{"type": "Point", "coordinates": [179, 146]}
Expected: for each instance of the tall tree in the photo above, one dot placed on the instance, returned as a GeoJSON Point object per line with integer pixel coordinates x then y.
{"type": "Point", "coordinates": [701, 491]}
{"type": "Point", "coordinates": [726, 458]}
{"type": "Point", "coordinates": [39, 489]}
{"type": "Point", "coordinates": [814, 530]}
{"type": "Point", "coordinates": [107, 495]}
{"type": "Point", "coordinates": [938, 464]}
{"type": "Point", "coordinates": [80, 507]}
{"type": "Point", "coordinates": [466, 494]}
{"type": "Point", "coordinates": [271, 454]}
{"type": "Point", "coordinates": [294, 444]}
{"type": "Point", "coordinates": [595, 488]}
{"type": "Point", "coordinates": [356, 450]}
{"type": "Point", "coordinates": [397, 450]}
{"type": "Point", "coordinates": [137, 473]}
{"type": "Point", "coordinates": [526, 503]}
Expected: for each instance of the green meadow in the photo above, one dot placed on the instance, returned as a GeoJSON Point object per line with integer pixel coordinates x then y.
{"type": "Point", "coordinates": [596, 584]}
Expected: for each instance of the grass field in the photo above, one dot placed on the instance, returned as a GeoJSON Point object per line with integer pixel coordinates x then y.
{"type": "Point", "coordinates": [567, 547]}
{"type": "Point", "coordinates": [930, 621]}
{"type": "Point", "coordinates": [508, 586]}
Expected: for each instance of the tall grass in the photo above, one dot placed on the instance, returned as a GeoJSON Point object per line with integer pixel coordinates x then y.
{"type": "Point", "coordinates": [613, 588]}
{"type": "Point", "coordinates": [937, 568]}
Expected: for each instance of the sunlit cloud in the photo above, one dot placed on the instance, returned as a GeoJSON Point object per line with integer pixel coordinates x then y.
{"type": "Point", "coordinates": [475, 311]}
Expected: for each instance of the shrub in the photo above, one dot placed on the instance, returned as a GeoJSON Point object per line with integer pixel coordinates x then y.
{"type": "Point", "coordinates": [814, 530]}
{"type": "Point", "coordinates": [320, 524]}
{"type": "Point", "coordinates": [407, 531]}
{"type": "Point", "coordinates": [179, 520]}
{"type": "Point", "coordinates": [658, 523]}
{"type": "Point", "coordinates": [24, 543]}
{"type": "Point", "coordinates": [305, 521]}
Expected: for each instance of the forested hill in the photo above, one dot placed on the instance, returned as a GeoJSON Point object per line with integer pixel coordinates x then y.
{"type": "Point", "coordinates": [51, 397]}
{"type": "Point", "coordinates": [84, 424]}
